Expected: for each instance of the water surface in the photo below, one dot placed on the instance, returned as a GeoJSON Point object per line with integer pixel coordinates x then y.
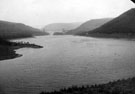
{"type": "Point", "coordinates": [66, 61]}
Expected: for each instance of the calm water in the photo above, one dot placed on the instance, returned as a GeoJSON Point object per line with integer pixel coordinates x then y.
{"type": "Point", "coordinates": [66, 61]}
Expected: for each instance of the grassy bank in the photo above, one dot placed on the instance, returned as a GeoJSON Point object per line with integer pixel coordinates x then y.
{"type": "Point", "coordinates": [117, 87]}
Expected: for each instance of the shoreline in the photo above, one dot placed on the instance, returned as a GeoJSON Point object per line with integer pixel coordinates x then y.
{"type": "Point", "coordinates": [113, 36]}
{"type": "Point", "coordinates": [8, 51]}
{"type": "Point", "coordinates": [123, 86]}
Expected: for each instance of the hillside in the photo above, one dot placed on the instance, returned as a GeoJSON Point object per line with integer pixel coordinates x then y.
{"type": "Point", "coordinates": [17, 30]}
{"type": "Point", "coordinates": [89, 25]}
{"type": "Point", "coordinates": [121, 26]}
{"type": "Point", "coordinates": [61, 26]}
{"type": "Point", "coordinates": [58, 33]}
{"type": "Point", "coordinates": [6, 52]}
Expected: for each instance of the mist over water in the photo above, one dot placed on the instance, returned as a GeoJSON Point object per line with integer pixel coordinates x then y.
{"type": "Point", "coordinates": [65, 61]}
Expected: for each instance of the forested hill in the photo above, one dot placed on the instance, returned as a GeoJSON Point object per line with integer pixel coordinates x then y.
{"type": "Point", "coordinates": [10, 30]}
{"type": "Point", "coordinates": [121, 26]}
{"type": "Point", "coordinates": [89, 25]}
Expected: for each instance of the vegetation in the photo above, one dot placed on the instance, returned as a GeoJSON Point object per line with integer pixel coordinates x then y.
{"type": "Point", "coordinates": [61, 26]}
{"type": "Point", "coordinates": [7, 52]}
{"type": "Point", "coordinates": [89, 25]}
{"type": "Point", "coordinates": [7, 49]}
{"type": "Point", "coordinates": [117, 87]}
{"type": "Point", "coordinates": [24, 44]}
{"type": "Point", "coordinates": [58, 33]}
{"type": "Point", "coordinates": [121, 27]}
{"type": "Point", "coordinates": [9, 30]}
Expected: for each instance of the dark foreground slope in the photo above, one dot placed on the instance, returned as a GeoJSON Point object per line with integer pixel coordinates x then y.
{"type": "Point", "coordinates": [89, 25]}
{"type": "Point", "coordinates": [7, 52]}
{"type": "Point", "coordinates": [10, 30]}
{"type": "Point", "coordinates": [120, 27]}
{"type": "Point", "coordinates": [116, 87]}
{"type": "Point", "coordinates": [7, 49]}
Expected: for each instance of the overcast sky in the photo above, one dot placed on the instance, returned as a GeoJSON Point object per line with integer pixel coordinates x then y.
{"type": "Point", "coordinates": [38, 13]}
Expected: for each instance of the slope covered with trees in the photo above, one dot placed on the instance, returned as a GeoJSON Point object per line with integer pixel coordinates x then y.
{"type": "Point", "coordinates": [117, 87]}
{"type": "Point", "coordinates": [89, 25]}
{"type": "Point", "coordinates": [10, 30]}
{"type": "Point", "coordinates": [61, 26]}
{"type": "Point", "coordinates": [121, 26]}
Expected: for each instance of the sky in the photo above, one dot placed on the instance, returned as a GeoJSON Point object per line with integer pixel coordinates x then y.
{"type": "Point", "coordinates": [38, 13]}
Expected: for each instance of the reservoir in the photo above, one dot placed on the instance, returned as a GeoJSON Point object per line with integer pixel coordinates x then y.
{"type": "Point", "coordinates": [65, 61]}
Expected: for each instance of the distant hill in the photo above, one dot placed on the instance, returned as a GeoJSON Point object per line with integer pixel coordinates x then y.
{"type": "Point", "coordinates": [61, 26]}
{"type": "Point", "coordinates": [89, 25]}
{"type": "Point", "coordinates": [121, 26]}
{"type": "Point", "coordinates": [17, 30]}
{"type": "Point", "coordinates": [58, 33]}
